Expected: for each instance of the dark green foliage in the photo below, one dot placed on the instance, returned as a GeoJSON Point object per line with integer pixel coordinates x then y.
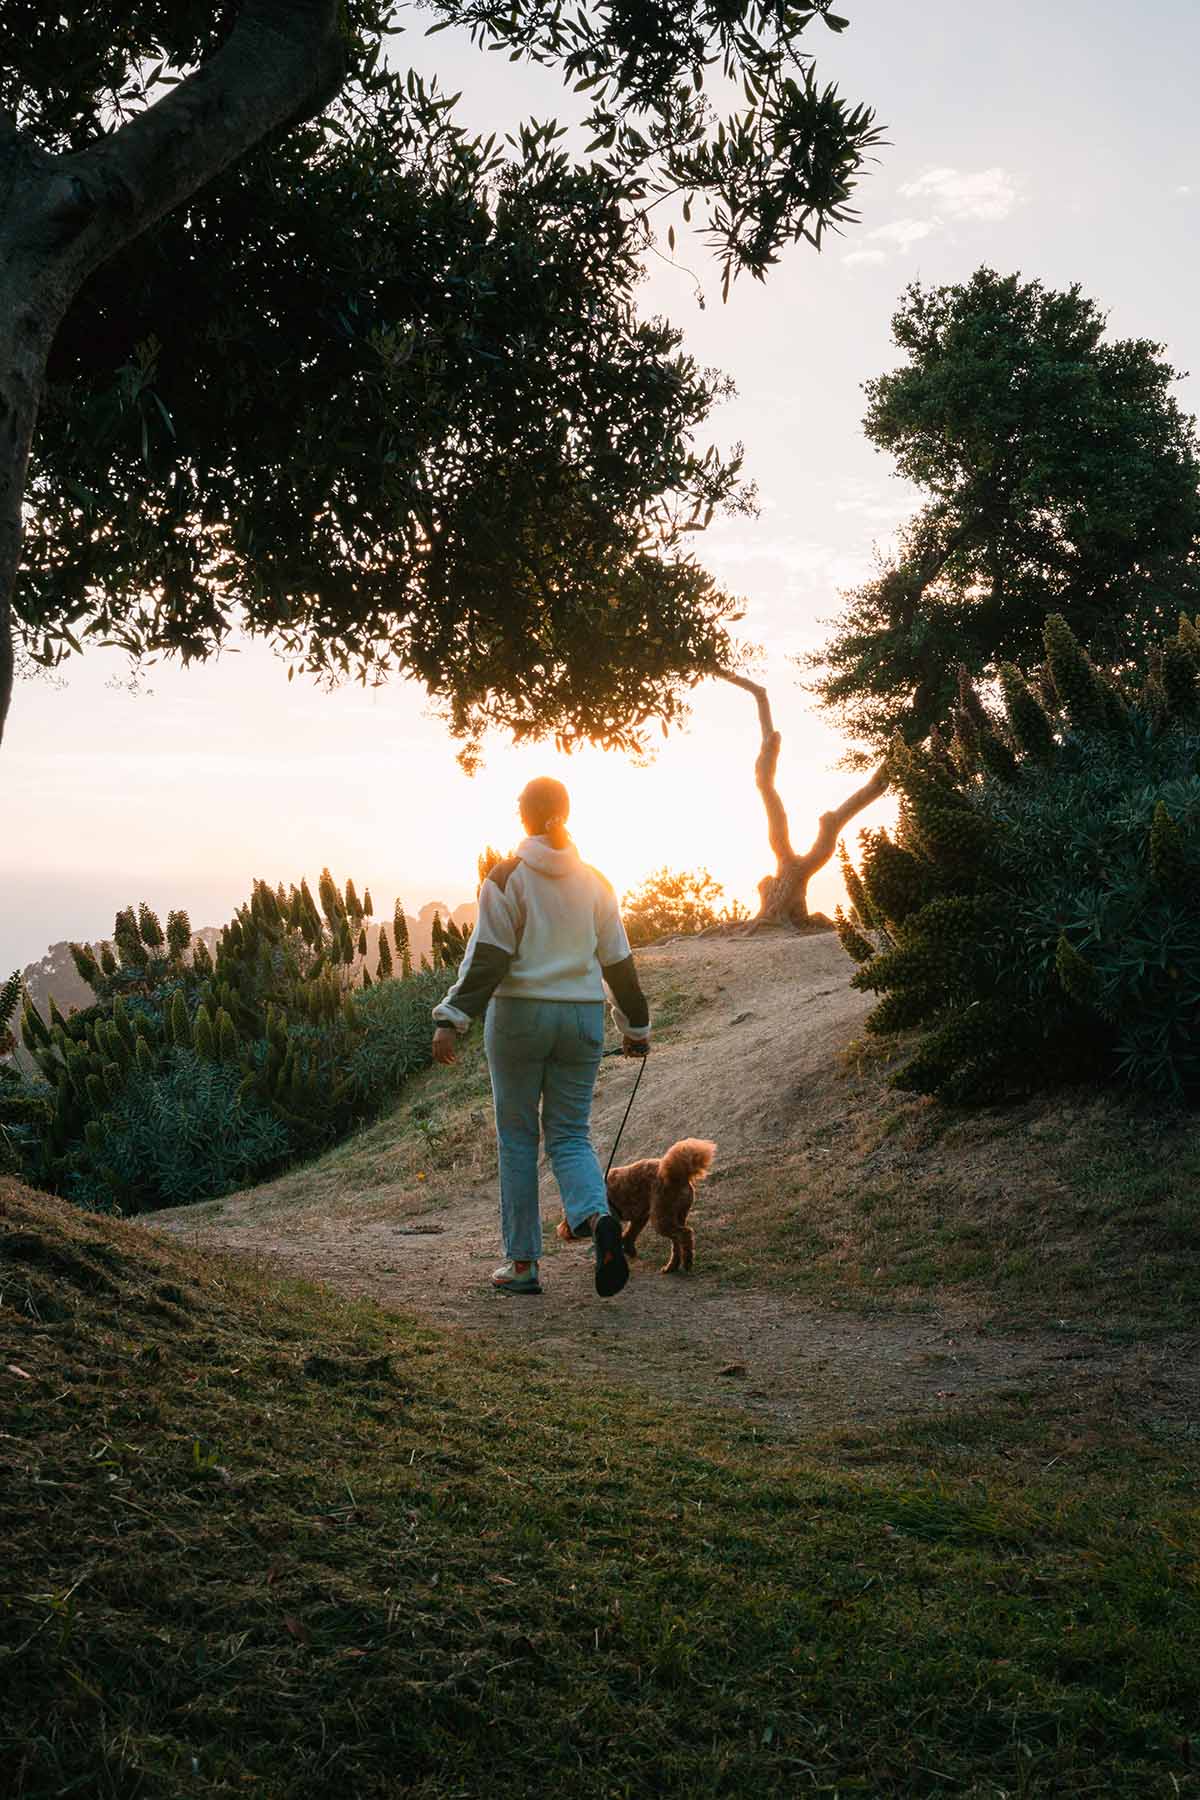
{"type": "Point", "coordinates": [895, 882]}
{"type": "Point", "coordinates": [183, 1080]}
{"type": "Point", "coordinates": [1078, 977]}
{"type": "Point", "coordinates": [85, 962]}
{"type": "Point", "coordinates": [384, 968]}
{"type": "Point", "coordinates": [394, 1032]}
{"type": "Point", "coordinates": [183, 1131]}
{"type": "Point", "coordinates": [131, 951]}
{"type": "Point", "coordinates": [1039, 919]}
{"type": "Point", "coordinates": [860, 906]}
{"type": "Point", "coordinates": [1060, 477]}
{"type": "Point", "coordinates": [149, 929]}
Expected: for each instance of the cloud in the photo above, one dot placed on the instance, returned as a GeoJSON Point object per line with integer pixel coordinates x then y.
{"type": "Point", "coordinates": [987, 194]}
{"type": "Point", "coordinates": [1184, 190]}
{"type": "Point", "coordinates": [903, 232]}
{"type": "Point", "coordinates": [954, 196]}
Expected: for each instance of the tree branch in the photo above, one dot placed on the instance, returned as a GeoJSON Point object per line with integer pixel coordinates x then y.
{"type": "Point", "coordinates": [283, 60]}
{"type": "Point", "coordinates": [765, 766]}
{"type": "Point", "coordinates": [829, 826]}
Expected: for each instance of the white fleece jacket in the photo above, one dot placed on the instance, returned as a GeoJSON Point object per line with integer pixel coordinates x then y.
{"type": "Point", "coordinates": [549, 928]}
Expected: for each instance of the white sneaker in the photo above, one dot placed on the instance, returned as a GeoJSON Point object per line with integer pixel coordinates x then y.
{"type": "Point", "coordinates": [507, 1280]}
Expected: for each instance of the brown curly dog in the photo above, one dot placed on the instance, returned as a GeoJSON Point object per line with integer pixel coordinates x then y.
{"type": "Point", "coordinates": [659, 1190]}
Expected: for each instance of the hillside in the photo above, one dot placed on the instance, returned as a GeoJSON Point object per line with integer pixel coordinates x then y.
{"type": "Point", "coordinates": [857, 1250]}
{"type": "Point", "coordinates": [261, 1539]}
{"type": "Point", "coordinates": [896, 1495]}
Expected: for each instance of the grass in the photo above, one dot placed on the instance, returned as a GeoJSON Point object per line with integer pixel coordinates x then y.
{"type": "Point", "coordinates": [260, 1540]}
{"type": "Point", "coordinates": [1072, 1207]}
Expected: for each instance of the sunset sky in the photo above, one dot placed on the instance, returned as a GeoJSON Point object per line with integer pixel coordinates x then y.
{"type": "Point", "coordinates": [1059, 141]}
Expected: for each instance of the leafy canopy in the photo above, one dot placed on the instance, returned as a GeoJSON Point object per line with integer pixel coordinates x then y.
{"type": "Point", "coordinates": [1061, 477]}
{"type": "Point", "coordinates": [380, 393]}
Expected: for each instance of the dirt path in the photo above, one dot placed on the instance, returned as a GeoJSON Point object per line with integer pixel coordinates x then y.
{"type": "Point", "coordinates": [758, 1026]}
{"type": "Point", "coordinates": [686, 1339]}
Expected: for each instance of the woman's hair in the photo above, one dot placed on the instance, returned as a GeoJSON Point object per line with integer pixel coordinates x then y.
{"type": "Point", "coordinates": [545, 806]}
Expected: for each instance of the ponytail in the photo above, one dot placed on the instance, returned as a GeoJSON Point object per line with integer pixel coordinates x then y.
{"type": "Point", "coordinates": [545, 807]}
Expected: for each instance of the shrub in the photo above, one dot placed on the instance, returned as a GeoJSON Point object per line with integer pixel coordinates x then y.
{"type": "Point", "coordinates": [185, 1080]}
{"type": "Point", "coordinates": [1037, 912]}
{"type": "Point", "coordinates": [676, 902]}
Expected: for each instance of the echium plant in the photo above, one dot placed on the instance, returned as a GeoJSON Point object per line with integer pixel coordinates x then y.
{"type": "Point", "coordinates": [1036, 913]}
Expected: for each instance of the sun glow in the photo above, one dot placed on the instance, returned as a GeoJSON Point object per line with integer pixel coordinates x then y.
{"type": "Point", "coordinates": [220, 774]}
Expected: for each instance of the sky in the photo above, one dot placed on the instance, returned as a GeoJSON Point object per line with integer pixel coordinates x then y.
{"type": "Point", "coordinates": [1059, 141]}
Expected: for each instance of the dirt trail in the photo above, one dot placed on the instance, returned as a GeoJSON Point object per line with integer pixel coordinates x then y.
{"type": "Point", "coordinates": [758, 1026]}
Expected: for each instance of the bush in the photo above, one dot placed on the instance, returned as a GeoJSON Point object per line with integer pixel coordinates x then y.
{"type": "Point", "coordinates": [185, 1080]}
{"type": "Point", "coordinates": [1037, 913]}
{"type": "Point", "coordinates": [676, 902]}
{"type": "Point", "coordinates": [186, 1132]}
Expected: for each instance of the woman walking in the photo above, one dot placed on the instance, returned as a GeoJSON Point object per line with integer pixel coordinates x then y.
{"type": "Point", "coordinates": [547, 942]}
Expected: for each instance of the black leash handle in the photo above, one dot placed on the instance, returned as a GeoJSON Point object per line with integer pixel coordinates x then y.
{"type": "Point", "coordinates": [642, 1057]}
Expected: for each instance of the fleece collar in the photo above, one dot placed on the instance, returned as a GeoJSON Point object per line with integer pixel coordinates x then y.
{"type": "Point", "coordinates": [541, 855]}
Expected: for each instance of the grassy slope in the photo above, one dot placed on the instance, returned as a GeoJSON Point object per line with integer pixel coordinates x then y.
{"type": "Point", "coordinates": [263, 1541]}
{"type": "Point", "coordinates": [1076, 1209]}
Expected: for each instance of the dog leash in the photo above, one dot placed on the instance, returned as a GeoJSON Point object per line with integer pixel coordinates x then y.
{"type": "Point", "coordinates": [643, 1058]}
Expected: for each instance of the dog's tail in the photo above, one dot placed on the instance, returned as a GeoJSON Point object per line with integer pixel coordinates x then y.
{"type": "Point", "coordinates": [689, 1160]}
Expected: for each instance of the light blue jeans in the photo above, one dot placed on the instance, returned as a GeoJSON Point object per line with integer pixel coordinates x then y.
{"type": "Point", "coordinates": [544, 1056]}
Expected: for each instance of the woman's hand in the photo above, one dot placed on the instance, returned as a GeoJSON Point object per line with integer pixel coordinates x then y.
{"type": "Point", "coordinates": [635, 1046]}
{"type": "Point", "coordinates": [445, 1044]}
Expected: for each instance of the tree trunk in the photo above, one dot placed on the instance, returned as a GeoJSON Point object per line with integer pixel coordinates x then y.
{"type": "Point", "coordinates": [62, 216]}
{"type": "Point", "coordinates": [783, 896]}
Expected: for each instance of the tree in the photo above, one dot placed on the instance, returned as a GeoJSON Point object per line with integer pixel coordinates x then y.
{"type": "Point", "coordinates": [784, 895]}
{"type": "Point", "coordinates": [314, 330]}
{"type": "Point", "coordinates": [1061, 478]}
{"type": "Point", "coordinates": [677, 902]}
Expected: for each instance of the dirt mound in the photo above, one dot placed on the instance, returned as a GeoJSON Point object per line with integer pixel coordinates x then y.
{"type": "Point", "coordinates": [57, 1262]}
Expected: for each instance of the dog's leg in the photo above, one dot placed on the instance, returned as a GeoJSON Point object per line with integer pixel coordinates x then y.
{"type": "Point", "coordinates": [689, 1246]}
{"type": "Point", "coordinates": [674, 1263]}
{"type": "Point", "coordinates": [631, 1234]}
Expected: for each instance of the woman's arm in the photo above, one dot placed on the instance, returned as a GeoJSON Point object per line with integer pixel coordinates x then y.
{"type": "Point", "coordinates": [490, 949]}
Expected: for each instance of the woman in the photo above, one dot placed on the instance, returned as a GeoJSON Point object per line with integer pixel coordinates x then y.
{"type": "Point", "coordinates": [547, 942]}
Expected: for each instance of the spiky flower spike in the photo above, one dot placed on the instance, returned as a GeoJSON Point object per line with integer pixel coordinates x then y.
{"type": "Point", "coordinates": [1031, 730]}
{"type": "Point", "coordinates": [1168, 862]}
{"type": "Point", "coordinates": [1076, 682]}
